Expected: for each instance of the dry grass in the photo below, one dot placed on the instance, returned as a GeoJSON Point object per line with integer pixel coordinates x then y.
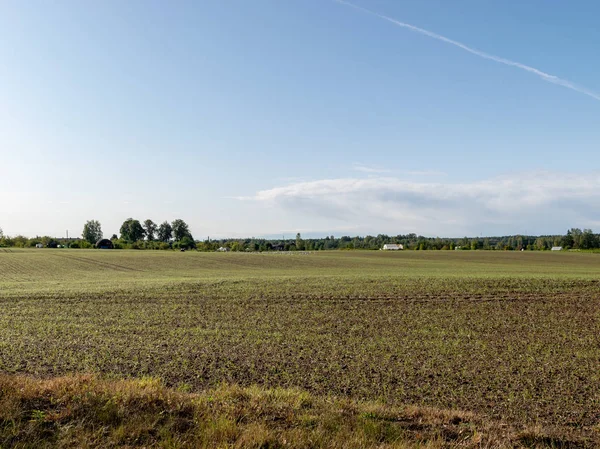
{"type": "Point", "coordinates": [86, 411]}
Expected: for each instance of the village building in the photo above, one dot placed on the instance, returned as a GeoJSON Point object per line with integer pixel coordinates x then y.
{"type": "Point", "coordinates": [104, 244]}
{"type": "Point", "coordinates": [393, 247]}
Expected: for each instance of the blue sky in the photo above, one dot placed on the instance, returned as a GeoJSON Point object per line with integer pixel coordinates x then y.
{"type": "Point", "coordinates": [271, 117]}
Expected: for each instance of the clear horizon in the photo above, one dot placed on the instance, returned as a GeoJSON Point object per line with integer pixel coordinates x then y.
{"type": "Point", "coordinates": [272, 118]}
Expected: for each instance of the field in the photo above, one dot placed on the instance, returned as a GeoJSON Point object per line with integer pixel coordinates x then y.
{"type": "Point", "coordinates": [513, 338]}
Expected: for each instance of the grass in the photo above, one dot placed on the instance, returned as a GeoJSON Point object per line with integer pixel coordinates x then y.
{"type": "Point", "coordinates": [85, 411]}
{"type": "Point", "coordinates": [512, 338]}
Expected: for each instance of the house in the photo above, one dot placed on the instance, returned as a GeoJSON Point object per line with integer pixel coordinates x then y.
{"type": "Point", "coordinates": [104, 244]}
{"type": "Point", "coordinates": [392, 247]}
{"type": "Point", "coordinates": [223, 249]}
{"type": "Point", "coordinates": [557, 248]}
{"type": "Point", "coordinates": [39, 245]}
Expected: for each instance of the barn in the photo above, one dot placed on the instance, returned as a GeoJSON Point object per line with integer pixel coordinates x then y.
{"type": "Point", "coordinates": [392, 247]}
{"type": "Point", "coordinates": [104, 244]}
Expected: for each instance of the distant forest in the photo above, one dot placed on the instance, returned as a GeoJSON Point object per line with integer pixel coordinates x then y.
{"type": "Point", "coordinates": [176, 235]}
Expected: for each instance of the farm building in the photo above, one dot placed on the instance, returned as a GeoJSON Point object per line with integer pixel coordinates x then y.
{"type": "Point", "coordinates": [104, 244]}
{"type": "Point", "coordinates": [557, 248]}
{"type": "Point", "coordinates": [392, 247]}
{"type": "Point", "coordinates": [39, 245]}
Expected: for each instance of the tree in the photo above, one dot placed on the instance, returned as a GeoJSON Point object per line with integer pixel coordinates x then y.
{"type": "Point", "coordinates": [588, 239]}
{"type": "Point", "coordinates": [299, 242]}
{"type": "Point", "coordinates": [165, 232]}
{"type": "Point", "coordinates": [1, 233]}
{"type": "Point", "coordinates": [131, 230]}
{"type": "Point", "coordinates": [187, 242]}
{"type": "Point", "coordinates": [180, 229]}
{"type": "Point", "coordinates": [92, 231]}
{"type": "Point", "coordinates": [150, 229]}
{"type": "Point", "coordinates": [540, 244]}
{"type": "Point", "coordinates": [575, 234]}
{"type": "Point", "coordinates": [567, 240]}
{"type": "Point", "coordinates": [114, 237]}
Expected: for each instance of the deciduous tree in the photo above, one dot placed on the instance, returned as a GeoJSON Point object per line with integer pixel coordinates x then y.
{"type": "Point", "coordinates": [150, 229]}
{"type": "Point", "coordinates": [165, 232]}
{"type": "Point", "coordinates": [180, 229]}
{"type": "Point", "coordinates": [299, 242]}
{"type": "Point", "coordinates": [92, 231]}
{"type": "Point", "coordinates": [132, 230]}
{"type": "Point", "coordinates": [187, 242]}
{"type": "Point", "coordinates": [588, 239]}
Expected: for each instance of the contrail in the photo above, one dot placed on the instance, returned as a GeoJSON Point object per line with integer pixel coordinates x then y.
{"type": "Point", "coordinates": [545, 76]}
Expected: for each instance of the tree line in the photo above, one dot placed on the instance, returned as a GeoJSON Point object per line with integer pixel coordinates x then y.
{"type": "Point", "coordinates": [150, 235]}
{"type": "Point", "coordinates": [146, 235]}
{"type": "Point", "coordinates": [574, 239]}
{"type": "Point", "coordinates": [133, 235]}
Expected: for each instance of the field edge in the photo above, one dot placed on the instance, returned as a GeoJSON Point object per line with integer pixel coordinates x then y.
{"type": "Point", "coordinates": [91, 411]}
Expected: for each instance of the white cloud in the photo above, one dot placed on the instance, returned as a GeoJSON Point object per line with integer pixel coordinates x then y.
{"type": "Point", "coordinates": [378, 171]}
{"type": "Point", "coordinates": [425, 173]}
{"type": "Point", "coordinates": [367, 169]}
{"type": "Point", "coordinates": [541, 202]}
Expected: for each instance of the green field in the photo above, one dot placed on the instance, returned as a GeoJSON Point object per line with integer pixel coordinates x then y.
{"type": "Point", "coordinates": [513, 337]}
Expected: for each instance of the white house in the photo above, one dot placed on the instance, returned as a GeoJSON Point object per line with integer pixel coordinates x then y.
{"type": "Point", "coordinates": [557, 248]}
{"type": "Point", "coordinates": [392, 247]}
{"type": "Point", "coordinates": [39, 245]}
{"type": "Point", "coordinates": [223, 249]}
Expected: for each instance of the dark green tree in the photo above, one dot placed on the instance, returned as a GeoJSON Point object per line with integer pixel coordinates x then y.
{"type": "Point", "coordinates": [567, 240]}
{"type": "Point", "coordinates": [180, 229]}
{"type": "Point", "coordinates": [187, 242]}
{"type": "Point", "coordinates": [165, 232]}
{"type": "Point", "coordinates": [92, 231]}
{"type": "Point", "coordinates": [132, 230]}
{"type": "Point", "coordinates": [150, 229]}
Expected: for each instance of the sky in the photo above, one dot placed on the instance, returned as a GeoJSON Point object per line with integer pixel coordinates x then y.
{"type": "Point", "coordinates": [271, 117]}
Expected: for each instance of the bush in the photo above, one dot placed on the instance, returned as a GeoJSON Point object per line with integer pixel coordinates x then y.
{"type": "Point", "coordinates": [186, 242]}
{"type": "Point", "coordinates": [80, 244]}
